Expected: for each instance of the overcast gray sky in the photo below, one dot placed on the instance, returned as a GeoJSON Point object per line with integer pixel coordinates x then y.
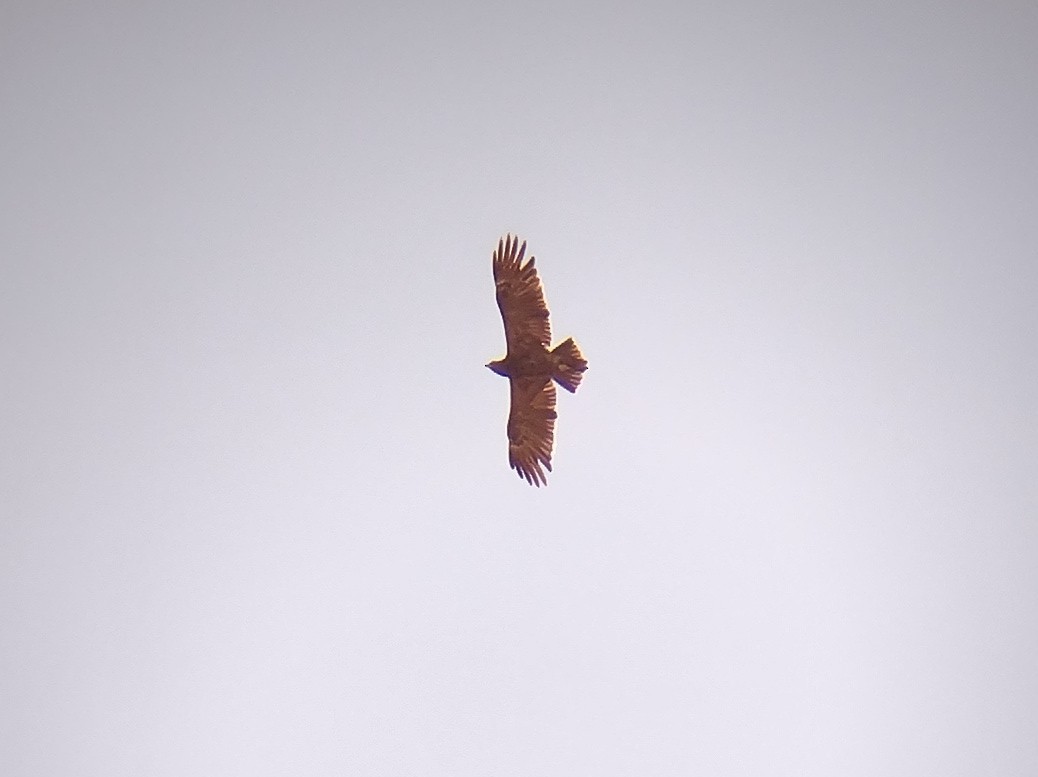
{"type": "Point", "coordinates": [257, 512]}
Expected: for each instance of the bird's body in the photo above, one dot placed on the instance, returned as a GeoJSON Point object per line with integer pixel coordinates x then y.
{"type": "Point", "coordinates": [528, 365]}
{"type": "Point", "coordinates": [531, 368]}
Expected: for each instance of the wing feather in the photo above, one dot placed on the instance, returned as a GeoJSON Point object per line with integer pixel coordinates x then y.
{"type": "Point", "coordinates": [531, 428]}
{"type": "Point", "coordinates": [520, 298]}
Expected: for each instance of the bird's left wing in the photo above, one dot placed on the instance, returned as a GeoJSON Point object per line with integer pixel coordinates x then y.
{"type": "Point", "coordinates": [531, 428]}
{"type": "Point", "coordinates": [520, 298]}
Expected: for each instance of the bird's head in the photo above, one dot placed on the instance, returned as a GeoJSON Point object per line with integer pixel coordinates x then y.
{"type": "Point", "coordinates": [498, 367]}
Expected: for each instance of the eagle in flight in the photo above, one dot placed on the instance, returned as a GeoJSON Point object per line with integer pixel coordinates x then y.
{"type": "Point", "coordinates": [529, 365]}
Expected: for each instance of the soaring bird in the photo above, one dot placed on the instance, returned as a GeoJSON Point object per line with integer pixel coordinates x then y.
{"type": "Point", "coordinates": [528, 364]}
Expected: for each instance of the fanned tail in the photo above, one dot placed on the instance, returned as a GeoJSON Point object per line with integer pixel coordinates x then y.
{"type": "Point", "coordinates": [569, 365]}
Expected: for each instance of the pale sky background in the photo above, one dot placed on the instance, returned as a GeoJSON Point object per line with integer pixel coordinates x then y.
{"type": "Point", "coordinates": [257, 512]}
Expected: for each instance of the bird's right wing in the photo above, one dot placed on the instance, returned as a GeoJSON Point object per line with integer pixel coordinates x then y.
{"type": "Point", "coordinates": [531, 428]}
{"type": "Point", "coordinates": [520, 298]}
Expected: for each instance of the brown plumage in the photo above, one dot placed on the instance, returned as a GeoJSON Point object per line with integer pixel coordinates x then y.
{"type": "Point", "coordinates": [529, 365]}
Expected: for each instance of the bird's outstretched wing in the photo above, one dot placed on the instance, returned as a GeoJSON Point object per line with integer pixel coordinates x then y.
{"type": "Point", "coordinates": [520, 298]}
{"type": "Point", "coordinates": [531, 428]}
